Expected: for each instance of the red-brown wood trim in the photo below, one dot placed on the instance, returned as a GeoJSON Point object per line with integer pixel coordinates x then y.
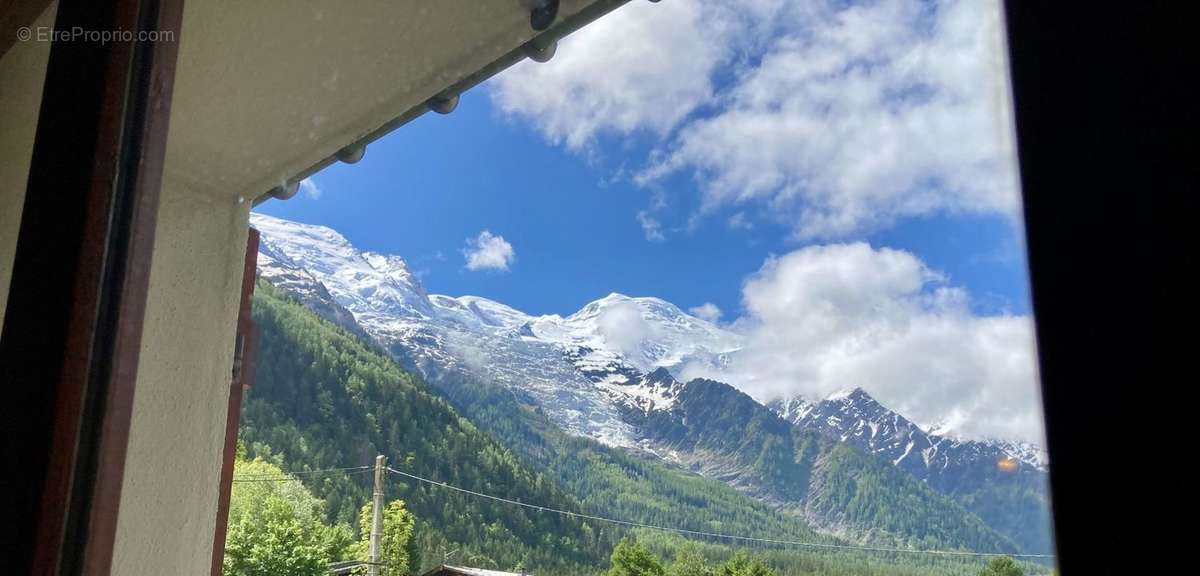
{"type": "Point", "coordinates": [73, 322]}
{"type": "Point", "coordinates": [153, 65]}
{"type": "Point", "coordinates": [236, 392]}
{"type": "Point", "coordinates": [241, 380]}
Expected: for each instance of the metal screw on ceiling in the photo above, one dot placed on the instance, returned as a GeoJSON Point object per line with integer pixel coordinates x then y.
{"type": "Point", "coordinates": [541, 13]}
{"type": "Point", "coordinates": [443, 104]}
{"type": "Point", "coordinates": [285, 190]}
{"type": "Point", "coordinates": [352, 153]}
{"type": "Point", "coordinates": [542, 54]}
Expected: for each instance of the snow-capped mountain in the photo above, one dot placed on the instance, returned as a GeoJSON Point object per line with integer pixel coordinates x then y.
{"type": "Point", "coordinates": [1005, 483]}
{"type": "Point", "coordinates": [608, 372]}
{"type": "Point", "coordinates": [583, 369]}
{"type": "Point", "coordinates": [278, 269]}
{"type": "Point", "coordinates": [642, 333]}
{"type": "Point", "coordinates": [854, 416]}
{"type": "Point", "coordinates": [647, 393]}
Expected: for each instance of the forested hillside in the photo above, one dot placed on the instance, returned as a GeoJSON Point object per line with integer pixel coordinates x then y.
{"type": "Point", "coordinates": [722, 431]}
{"type": "Point", "coordinates": [613, 482]}
{"type": "Point", "coordinates": [1004, 483]}
{"type": "Point", "coordinates": [325, 399]}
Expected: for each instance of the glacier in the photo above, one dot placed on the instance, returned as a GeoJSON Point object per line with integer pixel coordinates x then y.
{"type": "Point", "coordinates": [582, 369]}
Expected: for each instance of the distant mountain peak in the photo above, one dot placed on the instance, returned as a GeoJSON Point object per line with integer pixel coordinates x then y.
{"type": "Point", "coordinates": [851, 394]}
{"type": "Point", "coordinates": [573, 366]}
{"type": "Point", "coordinates": [660, 375]}
{"type": "Point", "coordinates": [853, 415]}
{"type": "Point", "coordinates": [648, 306]}
{"type": "Point", "coordinates": [370, 285]}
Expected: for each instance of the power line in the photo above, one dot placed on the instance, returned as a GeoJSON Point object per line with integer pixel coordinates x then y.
{"type": "Point", "coordinates": [285, 476]}
{"type": "Point", "coordinates": [271, 477]}
{"type": "Point", "coordinates": [306, 472]}
{"type": "Point", "coordinates": [716, 534]}
{"type": "Point", "coordinates": [295, 476]}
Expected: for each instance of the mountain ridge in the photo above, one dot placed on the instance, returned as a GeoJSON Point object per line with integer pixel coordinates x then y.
{"type": "Point", "coordinates": [583, 373]}
{"type": "Point", "coordinates": [1005, 483]}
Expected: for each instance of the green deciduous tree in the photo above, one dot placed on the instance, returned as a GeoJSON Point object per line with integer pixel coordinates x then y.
{"type": "Point", "coordinates": [1002, 566]}
{"type": "Point", "coordinates": [275, 526]}
{"type": "Point", "coordinates": [690, 562]}
{"type": "Point", "coordinates": [630, 558]}
{"type": "Point", "coordinates": [742, 564]}
{"type": "Point", "coordinates": [396, 553]}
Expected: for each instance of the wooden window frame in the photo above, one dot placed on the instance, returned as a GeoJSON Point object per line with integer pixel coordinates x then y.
{"type": "Point", "coordinates": [73, 321]}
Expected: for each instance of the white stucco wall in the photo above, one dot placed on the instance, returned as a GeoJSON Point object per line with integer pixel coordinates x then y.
{"type": "Point", "coordinates": [22, 74]}
{"type": "Point", "coordinates": [169, 495]}
{"type": "Point", "coordinates": [172, 470]}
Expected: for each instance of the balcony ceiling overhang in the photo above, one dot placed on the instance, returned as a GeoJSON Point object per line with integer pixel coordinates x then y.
{"type": "Point", "coordinates": [269, 91]}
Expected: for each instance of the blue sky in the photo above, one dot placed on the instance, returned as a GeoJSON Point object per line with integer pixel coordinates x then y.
{"type": "Point", "coordinates": [838, 178]}
{"type": "Point", "coordinates": [571, 218]}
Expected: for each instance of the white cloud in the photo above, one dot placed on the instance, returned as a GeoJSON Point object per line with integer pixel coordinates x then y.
{"type": "Point", "coordinates": [739, 221]}
{"type": "Point", "coordinates": [706, 311]}
{"type": "Point", "coordinates": [826, 318]}
{"type": "Point", "coordinates": [488, 252]}
{"type": "Point", "coordinates": [651, 227]}
{"type": "Point", "coordinates": [309, 187]}
{"type": "Point", "coordinates": [862, 116]}
{"type": "Point", "coordinates": [646, 66]}
{"type": "Point", "coordinates": [624, 328]}
{"type": "Point", "coordinates": [838, 118]}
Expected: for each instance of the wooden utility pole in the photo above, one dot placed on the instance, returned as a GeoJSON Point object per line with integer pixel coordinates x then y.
{"type": "Point", "coordinates": [376, 518]}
